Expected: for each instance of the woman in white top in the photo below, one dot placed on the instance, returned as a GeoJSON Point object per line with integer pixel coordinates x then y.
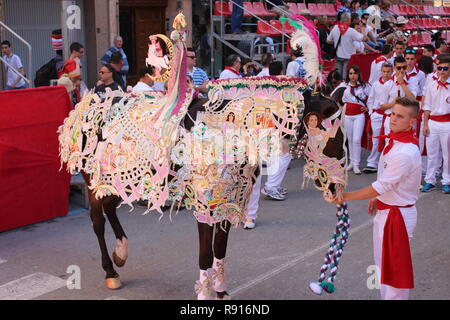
{"type": "Point", "coordinates": [355, 101]}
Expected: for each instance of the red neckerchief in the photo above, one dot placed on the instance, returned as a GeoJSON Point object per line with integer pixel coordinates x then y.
{"type": "Point", "coordinates": [412, 74]}
{"type": "Point", "coordinates": [405, 137]}
{"type": "Point", "coordinates": [380, 59]}
{"type": "Point", "coordinates": [232, 70]}
{"type": "Point", "coordinates": [442, 84]}
{"type": "Point", "coordinates": [381, 80]}
{"type": "Point", "coordinates": [396, 262]}
{"type": "Point", "coordinates": [343, 27]}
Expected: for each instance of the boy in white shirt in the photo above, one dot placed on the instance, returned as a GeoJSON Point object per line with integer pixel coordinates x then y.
{"type": "Point", "coordinates": [379, 94]}
{"type": "Point", "coordinates": [436, 126]}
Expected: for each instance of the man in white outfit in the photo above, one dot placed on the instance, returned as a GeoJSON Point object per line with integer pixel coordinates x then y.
{"type": "Point", "coordinates": [392, 202]}
{"type": "Point", "coordinates": [232, 67]}
{"type": "Point", "coordinates": [436, 126]}
{"type": "Point", "coordinates": [375, 67]}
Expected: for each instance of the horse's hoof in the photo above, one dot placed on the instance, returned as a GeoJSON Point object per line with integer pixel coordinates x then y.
{"type": "Point", "coordinates": [113, 283]}
{"type": "Point", "coordinates": [117, 260]}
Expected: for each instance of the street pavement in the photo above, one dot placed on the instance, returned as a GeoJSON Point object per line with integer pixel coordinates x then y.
{"type": "Point", "coordinates": [276, 260]}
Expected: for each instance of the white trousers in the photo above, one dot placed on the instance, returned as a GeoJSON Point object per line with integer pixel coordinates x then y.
{"type": "Point", "coordinates": [274, 180]}
{"type": "Point", "coordinates": [253, 202]}
{"type": "Point", "coordinates": [410, 218]}
{"type": "Point", "coordinates": [374, 157]}
{"type": "Point", "coordinates": [354, 127]}
{"type": "Point", "coordinates": [422, 144]}
{"type": "Point", "coordinates": [438, 141]}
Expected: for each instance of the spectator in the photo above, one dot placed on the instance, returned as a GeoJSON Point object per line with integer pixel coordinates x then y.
{"type": "Point", "coordinates": [14, 81]}
{"type": "Point", "coordinates": [376, 65]}
{"type": "Point", "coordinates": [237, 16]}
{"type": "Point", "coordinates": [296, 68]}
{"type": "Point", "coordinates": [370, 33]}
{"type": "Point", "coordinates": [344, 8]}
{"type": "Point", "coordinates": [428, 50]}
{"type": "Point", "coordinates": [199, 76]}
{"type": "Point", "coordinates": [145, 82]}
{"type": "Point", "coordinates": [354, 18]}
{"type": "Point", "coordinates": [117, 62]}
{"type": "Point", "coordinates": [276, 68]}
{"type": "Point", "coordinates": [399, 48]}
{"type": "Point", "coordinates": [72, 66]}
{"type": "Point", "coordinates": [334, 80]}
{"type": "Point", "coordinates": [342, 37]}
{"type": "Point", "coordinates": [354, 6]}
{"type": "Point", "coordinates": [441, 46]}
{"type": "Point", "coordinates": [117, 47]}
{"type": "Point", "coordinates": [57, 45]}
{"type": "Point", "coordinates": [106, 80]}
{"type": "Point", "coordinates": [384, 12]}
{"type": "Point", "coordinates": [322, 28]}
{"type": "Point", "coordinates": [426, 65]}
{"type": "Point", "coordinates": [266, 60]}
{"type": "Point", "coordinates": [375, 12]}
{"type": "Point", "coordinates": [232, 67]}
{"type": "Point", "coordinates": [250, 68]}
{"type": "Point", "coordinates": [400, 34]}
{"type": "Point", "coordinates": [363, 7]}
{"type": "Point", "coordinates": [362, 46]}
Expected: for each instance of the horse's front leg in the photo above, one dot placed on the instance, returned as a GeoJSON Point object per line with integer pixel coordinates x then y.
{"type": "Point", "coordinates": [203, 287]}
{"type": "Point", "coordinates": [120, 253]}
{"type": "Point", "coordinates": [98, 224]}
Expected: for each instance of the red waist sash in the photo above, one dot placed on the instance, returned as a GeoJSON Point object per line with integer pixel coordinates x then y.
{"type": "Point", "coordinates": [353, 109]}
{"type": "Point", "coordinates": [396, 262]}
{"type": "Point", "coordinates": [379, 111]}
{"type": "Point", "coordinates": [382, 142]}
{"type": "Point", "coordinates": [441, 118]}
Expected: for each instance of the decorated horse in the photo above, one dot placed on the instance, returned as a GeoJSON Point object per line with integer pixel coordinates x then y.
{"type": "Point", "coordinates": [171, 147]}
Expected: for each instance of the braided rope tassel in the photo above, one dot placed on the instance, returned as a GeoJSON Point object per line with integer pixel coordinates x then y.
{"type": "Point", "coordinates": [334, 253]}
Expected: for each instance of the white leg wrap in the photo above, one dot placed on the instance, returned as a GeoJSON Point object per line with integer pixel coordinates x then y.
{"type": "Point", "coordinates": [219, 284]}
{"type": "Point", "coordinates": [203, 286]}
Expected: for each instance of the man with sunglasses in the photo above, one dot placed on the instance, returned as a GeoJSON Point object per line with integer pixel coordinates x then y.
{"type": "Point", "coordinates": [413, 71]}
{"type": "Point", "coordinates": [397, 86]}
{"type": "Point", "coordinates": [199, 76]}
{"type": "Point", "coordinates": [436, 126]}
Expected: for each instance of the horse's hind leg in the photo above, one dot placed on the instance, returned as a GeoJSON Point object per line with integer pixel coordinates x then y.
{"type": "Point", "coordinates": [98, 224]}
{"type": "Point", "coordinates": [203, 286]}
{"type": "Point", "coordinates": [220, 248]}
{"type": "Point", "coordinates": [120, 253]}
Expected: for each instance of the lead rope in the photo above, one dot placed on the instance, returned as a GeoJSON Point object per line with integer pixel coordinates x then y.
{"type": "Point", "coordinates": [334, 253]}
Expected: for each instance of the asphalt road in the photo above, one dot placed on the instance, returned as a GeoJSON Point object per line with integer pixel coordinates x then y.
{"type": "Point", "coordinates": [276, 260]}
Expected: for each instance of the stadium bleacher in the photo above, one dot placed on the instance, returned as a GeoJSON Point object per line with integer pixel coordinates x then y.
{"type": "Point", "coordinates": [423, 20]}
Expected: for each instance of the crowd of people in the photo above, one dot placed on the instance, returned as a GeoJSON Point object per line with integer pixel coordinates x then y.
{"type": "Point", "coordinates": [395, 73]}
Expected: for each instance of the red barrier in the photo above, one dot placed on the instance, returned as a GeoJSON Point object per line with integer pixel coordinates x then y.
{"type": "Point", "coordinates": [32, 188]}
{"type": "Point", "coordinates": [363, 61]}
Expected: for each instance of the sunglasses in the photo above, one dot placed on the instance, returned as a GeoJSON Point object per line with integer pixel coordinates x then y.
{"type": "Point", "coordinates": [410, 51]}
{"type": "Point", "coordinates": [192, 57]}
{"type": "Point", "coordinates": [443, 68]}
{"type": "Point", "coordinates": [401, 68]}
{"type": "Point", "coordinates": [103, 72]}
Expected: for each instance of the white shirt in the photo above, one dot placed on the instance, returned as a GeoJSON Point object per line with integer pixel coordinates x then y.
{"type": "Point", "coordinates": [359, 46]}
{"type": "Point", "coordinates": [421, 78]}
{"type": "Point", "coordinates": [375, 68]}
{"type": "Point", "coordinates": [399, 175]}
{"type": "Point", "coordinates": [227, 74]}
{"type": "Point", "coordinates": [430, 78]}
{"type": "Point", "coordinates": [437, 101]}
{"type": "Point", "coordinates": [14, 61]}
{"type": "Point", "coordinates": [346, 48]}
{"type": "Point", "coordinates": [142, 86]}
{"type": "Point", "coordinates": [159, 86]}
{"type": "Point", "coordinates": [264, 72]}
{"type": "Point", "coordinates": [379, 94]}
{"type": "Point", "coordinates": [293, 67]}
{"type": "Point", "coordinates": [396, 91]}
{"type": "Point", "coordinates": [362, 92]}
